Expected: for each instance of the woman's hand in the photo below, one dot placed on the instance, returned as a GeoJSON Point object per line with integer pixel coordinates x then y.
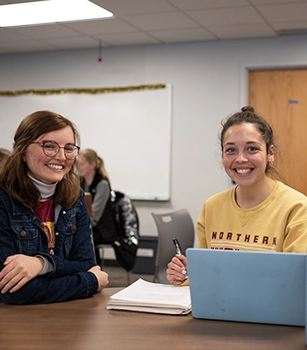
{"type": "Point", "coordinates": [18, 270]}
{"type": "Point", "coordinates": [102, 277]}
{"type": "Point", "coordinates": [177, 270]}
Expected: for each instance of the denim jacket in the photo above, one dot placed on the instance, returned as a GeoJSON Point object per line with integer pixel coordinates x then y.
{"type": "Point", "coordinates": [21, 233]}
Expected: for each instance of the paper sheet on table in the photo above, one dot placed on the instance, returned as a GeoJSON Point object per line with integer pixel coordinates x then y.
{"type": "Point", "coordinates": [143, 296]}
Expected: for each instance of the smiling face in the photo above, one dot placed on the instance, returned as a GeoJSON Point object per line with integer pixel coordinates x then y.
{"type": "Point", "coordinates": [245, 155]}
{"type": "Point", "coordinates": [50, 169]}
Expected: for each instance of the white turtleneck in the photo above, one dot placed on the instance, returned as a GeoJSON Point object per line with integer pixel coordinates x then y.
{"type": "Point", "coordinates": [46, 190]}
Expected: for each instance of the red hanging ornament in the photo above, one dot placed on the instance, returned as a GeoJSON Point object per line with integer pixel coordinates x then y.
{"type": "Point", "coordinates": [99, 59]}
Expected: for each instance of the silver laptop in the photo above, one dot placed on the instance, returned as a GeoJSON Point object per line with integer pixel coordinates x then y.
{"type": "Point", "coordinates": [244, 286]}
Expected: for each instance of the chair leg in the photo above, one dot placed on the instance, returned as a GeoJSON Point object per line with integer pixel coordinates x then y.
{"type": "Point", "coordinates": [99, 253]}
{"type": "Point", "coordinates": [128, 278]}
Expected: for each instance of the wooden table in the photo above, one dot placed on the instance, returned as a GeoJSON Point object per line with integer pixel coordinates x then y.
{"type": "Point", "coordinates": [87, 325]}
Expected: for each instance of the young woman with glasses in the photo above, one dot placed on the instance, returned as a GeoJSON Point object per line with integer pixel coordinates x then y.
{"type": "Point", "coordinates": [46, 252]}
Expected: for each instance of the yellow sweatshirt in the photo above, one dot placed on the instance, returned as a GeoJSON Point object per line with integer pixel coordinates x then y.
{"type": "Point", "coordinates": [279, 223]}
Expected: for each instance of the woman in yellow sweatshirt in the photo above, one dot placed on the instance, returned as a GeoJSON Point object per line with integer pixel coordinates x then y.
{"type": "Point", "coordinates": [259, 213]}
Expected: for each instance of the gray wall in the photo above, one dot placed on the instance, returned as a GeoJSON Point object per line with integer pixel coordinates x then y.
{"type": "Point", "coordinates": [209, 82]}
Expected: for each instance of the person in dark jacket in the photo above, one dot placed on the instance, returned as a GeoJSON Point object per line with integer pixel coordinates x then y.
{"type": "Point", "coordinates": [95, 180]}
{"type": "Point", "coordinates": [46, 251]}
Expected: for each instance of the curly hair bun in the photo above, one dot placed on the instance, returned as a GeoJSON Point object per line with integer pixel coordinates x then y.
{"type": "Point", "coordinates": [247, 109]}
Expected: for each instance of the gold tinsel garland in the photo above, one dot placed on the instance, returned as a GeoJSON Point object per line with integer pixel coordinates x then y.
{"type": "Point", "coordinates": [83, 91]}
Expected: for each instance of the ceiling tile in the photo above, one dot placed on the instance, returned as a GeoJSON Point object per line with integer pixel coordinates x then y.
{"type": "Point", "coordinates": [270, 2]}
{"type": "Point", "coordinates": [29, 46]}
{"type": "Point", "coordinates": [182, 35]}
{"type": "Point", "coordinates": [74, 42]}
{"type": "Point", "coordinates": [207, 4]}
{"type": "Point", "coordinates": [7, 35]}
{"type": "Point", "coordinates": [226, 16]}
{"type": "Point", "coordinates": [135, 7]}
{"type": "Point", "coordinates": [128, 39]}
{"type": "Point", "coordinates": [243, 31]}
{"type": "Point", "coordinates": [111, 25]}
{"type": "Point", "coordinates": [289, 25]}
{"type": "Point", "coordinates": [162, 21]}
{"type": "Point", "coordinates": [44, 31]}
{"type": "Point", "coordinates": [284, 12]}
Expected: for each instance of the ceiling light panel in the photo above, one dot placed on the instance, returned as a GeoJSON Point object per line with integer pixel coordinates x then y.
{"type": "Point", "coordinates": [50, 11]}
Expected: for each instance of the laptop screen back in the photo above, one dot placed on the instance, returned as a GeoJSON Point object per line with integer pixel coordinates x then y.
{"type": "Point", "coordinates": [245, 286]}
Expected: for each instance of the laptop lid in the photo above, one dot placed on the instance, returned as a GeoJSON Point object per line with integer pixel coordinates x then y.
{"type": "Point", "coordinates": [249, 286]}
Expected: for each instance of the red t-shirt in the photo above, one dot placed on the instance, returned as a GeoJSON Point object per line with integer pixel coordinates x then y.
{"type": "Point", "coordinates": [45, 214]}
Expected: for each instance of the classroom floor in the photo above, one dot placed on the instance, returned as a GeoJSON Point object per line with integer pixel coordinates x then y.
{"type": "Point", "coordinates": [118, 277]}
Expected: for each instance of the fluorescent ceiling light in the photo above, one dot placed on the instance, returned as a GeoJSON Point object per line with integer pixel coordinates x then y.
{"type": "Point", "coordinates": [50, 11]}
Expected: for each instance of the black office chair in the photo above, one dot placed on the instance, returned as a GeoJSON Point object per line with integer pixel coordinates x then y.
{"type": "Point", "coordinates": [177, 224]}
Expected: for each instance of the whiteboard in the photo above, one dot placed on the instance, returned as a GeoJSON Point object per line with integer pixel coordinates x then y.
{"type": "Point", "coordinates": [130, 130]}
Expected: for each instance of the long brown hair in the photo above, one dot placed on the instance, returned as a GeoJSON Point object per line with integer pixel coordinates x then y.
{"type": "Point", "coordinates": [14, 177]}
{"type": "Point", "coordinates": [4, 154]}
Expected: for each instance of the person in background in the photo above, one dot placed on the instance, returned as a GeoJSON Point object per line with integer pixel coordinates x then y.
{"type": "Point", "coordinates": [260, 212]}
{"type": "Point", "coordinates": [96, 181]}
{"type": "Point", "coordinates": [46, 251]}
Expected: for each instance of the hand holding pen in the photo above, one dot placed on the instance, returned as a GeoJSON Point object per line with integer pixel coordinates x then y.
{"type": "Point", "coordinates": [178, 253]}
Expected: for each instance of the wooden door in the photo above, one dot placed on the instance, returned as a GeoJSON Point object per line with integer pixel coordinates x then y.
{"type": "Point", "coordinates": [280, 96]}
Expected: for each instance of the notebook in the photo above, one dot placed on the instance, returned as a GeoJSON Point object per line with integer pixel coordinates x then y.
{"type": "Point", "coordinates": [260, 287]}
{"type": "Point", "coordinates": [145, 296]}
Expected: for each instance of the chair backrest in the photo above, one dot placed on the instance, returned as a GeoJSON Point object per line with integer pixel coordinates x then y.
{"type": "Point", "coordinates": [177, 224]}
{"type": "Point", "coordinates": [88, 201]}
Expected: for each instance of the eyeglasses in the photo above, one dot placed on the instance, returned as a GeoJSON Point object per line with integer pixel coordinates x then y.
{"type": "Point", "coordinates": [51, 149]}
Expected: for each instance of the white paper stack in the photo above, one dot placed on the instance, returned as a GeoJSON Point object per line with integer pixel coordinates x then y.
{"type": "Point", "coordinates": [143, 296]}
